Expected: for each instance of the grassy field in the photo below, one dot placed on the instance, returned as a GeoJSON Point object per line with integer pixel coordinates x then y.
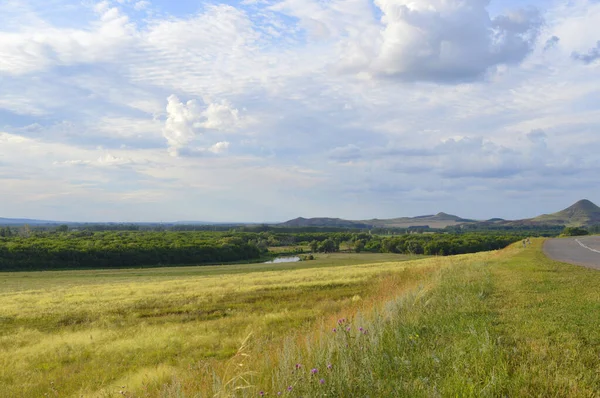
{"type": "Point", "coordinates": [511, 323]}
{"type": "Point", "coordinates": [506, 323]}
{"type": "Point", "coordinates": [74, 333]}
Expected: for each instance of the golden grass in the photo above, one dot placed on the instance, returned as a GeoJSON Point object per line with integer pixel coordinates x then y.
{"type": "Point", "coordinates": [94, 333]}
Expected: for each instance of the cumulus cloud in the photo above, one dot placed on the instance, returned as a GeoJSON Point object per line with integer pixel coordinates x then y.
{"type": "Point", "coordinates": [186, 120]}
{"type": "Point", "coordinates": [448, 40]}
{"type": "Point", "coordinates": [590, 57]}
{"type": "Point", "coordinates": [179, 126]}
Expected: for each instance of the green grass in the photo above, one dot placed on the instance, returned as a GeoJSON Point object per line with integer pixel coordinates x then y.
{"type": "Point", "coordinates": [515, 324]}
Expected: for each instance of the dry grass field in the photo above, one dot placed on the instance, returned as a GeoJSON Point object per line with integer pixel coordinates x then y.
{"type": "Point", "coordinates": [74, 333]}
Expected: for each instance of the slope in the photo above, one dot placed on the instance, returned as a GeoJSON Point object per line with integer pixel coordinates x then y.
{"type": "Point", "coordinates": [582, 213]}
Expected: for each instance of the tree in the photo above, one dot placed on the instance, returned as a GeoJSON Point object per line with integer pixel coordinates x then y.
{"type": "Point", "coordinates": [328, 246]}
{"type": "Point", "coordinates": [359, 245]}
{"type": "Point", "coordinates": [62, 228]}
{"type": "Point", "coordinates": [575, 231]}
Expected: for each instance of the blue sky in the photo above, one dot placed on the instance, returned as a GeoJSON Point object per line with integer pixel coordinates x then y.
{"type": "Point", "coordinates": [265, 110]}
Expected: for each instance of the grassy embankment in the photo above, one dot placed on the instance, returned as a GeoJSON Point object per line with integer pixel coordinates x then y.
{"type": "Point", "coordinates": [74, 333]}
{"type": "Point", "coordinates": [507, 324]}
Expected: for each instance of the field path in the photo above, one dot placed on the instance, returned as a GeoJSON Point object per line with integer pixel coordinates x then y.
{"type": "Point", "coordinates": [583, 250]}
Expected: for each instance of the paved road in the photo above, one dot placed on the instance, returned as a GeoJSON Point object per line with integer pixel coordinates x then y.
{"type": "Point", "coordinates": [583, 250]}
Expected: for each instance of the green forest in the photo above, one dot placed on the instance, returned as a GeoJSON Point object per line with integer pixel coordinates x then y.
{"type": "Point", "coordinates": [26, 249]}
{"type": "Point", "coordinates": [79, 250]}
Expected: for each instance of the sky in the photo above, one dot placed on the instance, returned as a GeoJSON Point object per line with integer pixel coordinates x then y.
{"type": "Point", "coordinates": [266, 110]}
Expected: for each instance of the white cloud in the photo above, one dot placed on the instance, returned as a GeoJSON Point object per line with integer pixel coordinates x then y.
{"type": "Point", "coordinates": [110, 160]}
{"type": "Point", "coordinates": [179, 126]}
{"type": "Point", "coordinates": [450, 40]}
{"type": "Point", "coordinates": [221, 116]}
{"type": "Point", "coordinates": [185, 121]}
{"type": "Point", "coordinates": [38, 47]}
{"type": "Point", "coordinates": [219, 147]}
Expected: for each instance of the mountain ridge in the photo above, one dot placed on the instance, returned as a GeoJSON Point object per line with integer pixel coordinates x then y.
{"type": "Point", "coordinates": [439, 220]}
{"type": "Point", "coordinates": [582, 213]}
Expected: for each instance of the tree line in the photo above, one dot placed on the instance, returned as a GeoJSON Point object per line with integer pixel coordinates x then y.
{"type": "Point", "coordinates": [428, 244]}
{"type": "Point", "coordinates": [78, 250]}
{"type": "Point", "coordinates": [27, 248]}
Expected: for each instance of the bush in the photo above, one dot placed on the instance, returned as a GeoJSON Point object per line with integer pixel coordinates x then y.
{"type": "Point", "coordinates": [575, 231]}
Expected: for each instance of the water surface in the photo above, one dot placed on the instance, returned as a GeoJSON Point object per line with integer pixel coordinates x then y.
{"type": "Point", "coordinates": [283, 260]}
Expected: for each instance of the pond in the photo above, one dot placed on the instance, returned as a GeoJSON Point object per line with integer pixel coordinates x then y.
{"type": "Point", "coordinates": [283, 260]}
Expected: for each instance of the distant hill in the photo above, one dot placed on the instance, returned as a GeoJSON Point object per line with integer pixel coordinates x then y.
{"type": "Point", "coordinates": [23, 221]}
{"type": "Point", "coordinates": [582, 213]}
{"type": "Point", "coordinates": [579, 214]}
{"type": "Point", "coordinates": [440, 220]}
{"type": "Point", "coordinates": [323, 222]}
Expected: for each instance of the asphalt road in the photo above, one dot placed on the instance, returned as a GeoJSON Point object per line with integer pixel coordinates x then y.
{"type": "Point", "coordinates": [583, 250]}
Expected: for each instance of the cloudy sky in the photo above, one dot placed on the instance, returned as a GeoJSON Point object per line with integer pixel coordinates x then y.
{"type": "Point", "coordinates": [265, 110]}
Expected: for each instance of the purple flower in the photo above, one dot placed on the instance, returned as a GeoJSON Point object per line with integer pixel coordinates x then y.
{"type": "Point", "coordinates": [289, 388]}
{"type": "Point", "coordinates": [329, 366]}
{"type": "Point", "coordinates": [334, 330]}
{"type": "Point", "coordinates": [298, 366]}
{"type": "Point", "coordinates": [322, 381]}
{"type": "Point", "coordinates": [361, 329]}
{"type": "Point", "coordinates": [340, 321]}
{"type": "Point", "coordinates": [348, 329]}
{"type": "Point", "coordinates": [262, 393]}
{"type": "Point", "coordinates": [314, 371]}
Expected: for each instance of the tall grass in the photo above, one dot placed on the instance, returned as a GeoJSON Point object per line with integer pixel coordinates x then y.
{"type": "Point", "coordinates": [430, 341]}
{"type": "Point", "coordinates": [511, 324]}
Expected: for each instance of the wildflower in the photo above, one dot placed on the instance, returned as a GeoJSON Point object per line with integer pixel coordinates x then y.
{"type": "Point", "coordinates": [289, 388]}
{"type": "Point", "coordinates": [278, 392]}
{"type": "Point", "coordinates": [334, 330]}
{"type": "Point", "coordinates": [262, 393]}
{"type": "Point", "coordinates": [348, 329]}
{"type": "Point", "coordinates": [322, 381]}
{"type": "Point", "coordinates": [329, 366]}
{"type": "Point", "coordinates": [298, 366]}
{"type": "Point", "coordinates": [314, 371]}
{"type": "Point", "coordinates": [340, 321]}
{"type": "Point", "coordinates": [360, 329]}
